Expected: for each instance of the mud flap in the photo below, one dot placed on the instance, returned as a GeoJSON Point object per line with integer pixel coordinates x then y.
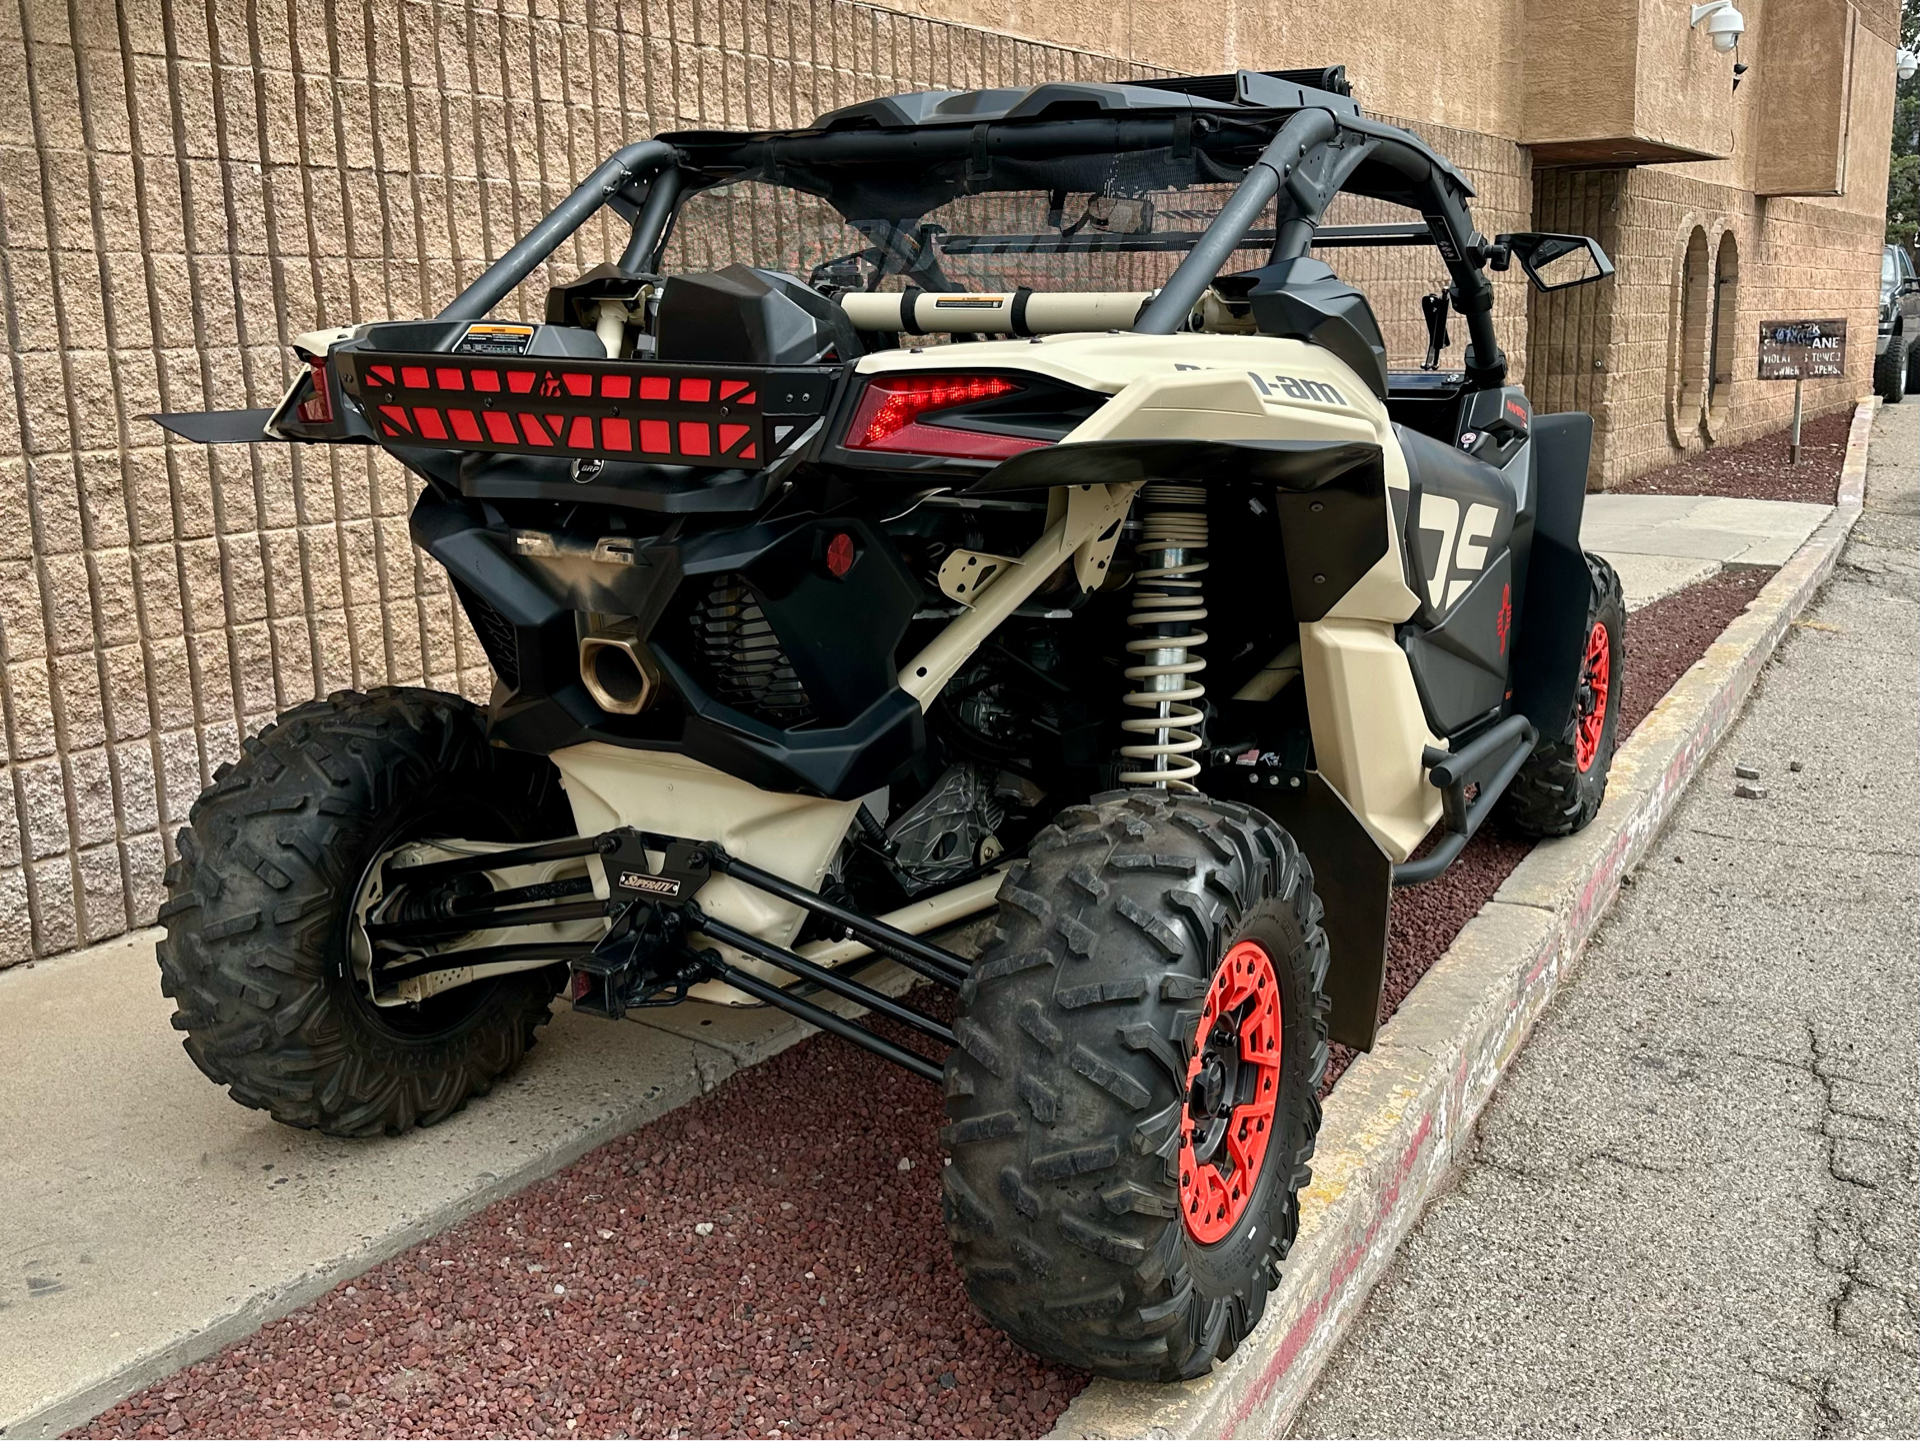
{"type": "Point", "coordinates": [1553, 610]}
{"type": "Point", "coordinates": [217, 427]}
{"type": "Point", "coordinates": [1354, 880]}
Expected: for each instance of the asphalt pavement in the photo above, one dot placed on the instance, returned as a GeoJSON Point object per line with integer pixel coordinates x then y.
{"type": "Point", "coordinates": [1692, 1207]}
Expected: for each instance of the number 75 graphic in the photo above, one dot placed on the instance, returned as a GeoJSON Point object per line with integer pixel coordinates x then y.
{"type": "Point", "coordinates": [1462, 552]}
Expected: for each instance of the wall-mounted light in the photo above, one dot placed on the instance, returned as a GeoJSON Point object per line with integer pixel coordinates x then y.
{"type": "Point", "coordinates": [1906, 63]}
{"type": "Point", "coordinates": [1725, 23]}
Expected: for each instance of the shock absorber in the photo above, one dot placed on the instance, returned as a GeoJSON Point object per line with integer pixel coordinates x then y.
{"type": "Point", "coordinates": [1167, 608]}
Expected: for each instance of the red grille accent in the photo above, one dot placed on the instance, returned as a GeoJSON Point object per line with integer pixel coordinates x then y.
{"type": "Point", "coordinates": [567, 407]}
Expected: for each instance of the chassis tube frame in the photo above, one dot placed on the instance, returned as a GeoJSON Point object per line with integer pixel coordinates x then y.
{"type": "Point", "coordinates": [1297, 137]}
{"type": "Point", "coordinates": [628, 163]}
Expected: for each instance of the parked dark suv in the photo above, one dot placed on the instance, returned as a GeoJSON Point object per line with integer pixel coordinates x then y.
{"type": "Point", "coordinates": [1896, 366]}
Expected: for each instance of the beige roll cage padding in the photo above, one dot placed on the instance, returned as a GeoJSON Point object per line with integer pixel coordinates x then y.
{"type": "Point", "coordinates": [1013, 312]}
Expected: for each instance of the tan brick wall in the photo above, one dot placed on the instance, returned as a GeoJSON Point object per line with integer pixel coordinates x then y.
{"type": "Point", "coordinates": [182, 187]}
{"type": "Point", "coordinates": [1635, 352]}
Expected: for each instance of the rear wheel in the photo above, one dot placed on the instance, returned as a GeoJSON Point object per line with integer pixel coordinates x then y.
{"type": "Point", "coordinates": [1561, 785]}
{"type": "Point", "coordinates": [1890, 371]}
{"type": "Point", "coordinates": [1133, 1100]}
{"type": "Point", "coordinates": [257, 953]}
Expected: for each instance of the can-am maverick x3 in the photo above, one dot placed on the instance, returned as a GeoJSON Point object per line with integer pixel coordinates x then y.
{"type": "Point", "coordinates": [1035, 520]}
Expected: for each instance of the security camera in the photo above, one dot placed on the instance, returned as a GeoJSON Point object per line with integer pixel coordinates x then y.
{"type": "Point", "coordinates": [1907, 64]}
{"type": "Point", "coordinates": [1725, 24]}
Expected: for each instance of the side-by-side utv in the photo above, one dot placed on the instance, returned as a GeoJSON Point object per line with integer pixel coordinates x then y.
{"type": "Point", "coordinates": [964, 500]}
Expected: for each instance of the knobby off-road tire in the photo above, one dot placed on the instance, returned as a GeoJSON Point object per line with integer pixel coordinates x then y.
{"type": "Point", "coordinates": [1890, 371]}
{"type": "Point", "coordinates": [1561, 785]}
{"type": "Point", "coordinates": [256, 948]}
{"type": "Point", "coordinates": [1071, 1194]}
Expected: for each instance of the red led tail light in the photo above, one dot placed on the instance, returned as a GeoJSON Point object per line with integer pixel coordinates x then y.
{"type": "Point", "coordinates": [317, 409]}
{"type": "Point", "coordinates": [896, 413]}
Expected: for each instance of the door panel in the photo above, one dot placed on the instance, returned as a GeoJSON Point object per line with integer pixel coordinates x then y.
{"type": "Point", "coordinates": [1459, 532]}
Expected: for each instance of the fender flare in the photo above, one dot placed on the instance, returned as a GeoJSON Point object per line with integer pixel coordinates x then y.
{"type": "Point", "coordinates": [1553, 613]}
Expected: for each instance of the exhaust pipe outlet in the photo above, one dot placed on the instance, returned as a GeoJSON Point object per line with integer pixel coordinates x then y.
{"type": "Point", "coordinates": [618, 672]}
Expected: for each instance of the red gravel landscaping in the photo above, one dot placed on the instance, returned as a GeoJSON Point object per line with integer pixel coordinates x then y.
{"type": "Point", "coordinates": [1663, 640]}
{"type": "Point", "coordinates": [1759, 470]}
{"type": "Point", "coordinates": [819, 1301]}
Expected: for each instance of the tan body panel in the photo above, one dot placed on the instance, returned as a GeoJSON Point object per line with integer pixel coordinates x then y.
{"type": "Point", "coordinates": [1368, 725]}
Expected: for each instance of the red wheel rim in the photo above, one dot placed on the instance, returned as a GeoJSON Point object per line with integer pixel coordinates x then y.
{"type": "Point", "coordinates": [1595, 681]}
{"type": "Point", "coordinates": [1233, 1083]}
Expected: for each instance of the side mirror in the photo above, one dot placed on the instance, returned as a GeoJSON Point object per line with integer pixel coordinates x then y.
{"type": "Point", "coordinates": [1555, 262]}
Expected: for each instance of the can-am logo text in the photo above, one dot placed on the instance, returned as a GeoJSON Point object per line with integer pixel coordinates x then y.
{"type": "Point", "coordinates": [1295, 388]}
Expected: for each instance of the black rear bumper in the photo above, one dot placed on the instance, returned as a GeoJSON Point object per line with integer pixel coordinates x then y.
{"type": "Point", "coordinates": [839, 634]}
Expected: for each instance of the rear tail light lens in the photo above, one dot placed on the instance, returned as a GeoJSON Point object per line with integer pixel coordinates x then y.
{"type": "Point", "coordinates": [896, 414]}
{"type": "Point", "coordinates": [317, 409]}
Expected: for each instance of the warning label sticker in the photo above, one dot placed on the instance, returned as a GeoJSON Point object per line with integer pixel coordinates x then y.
{"type": "Point", "coordinates": [489, 338]}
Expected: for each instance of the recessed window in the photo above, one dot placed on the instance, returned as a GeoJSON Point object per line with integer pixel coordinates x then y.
{"type": "Point", "coordinates": [1696, 328]}
{"type": "Point", "coordinates": [1724, 333]}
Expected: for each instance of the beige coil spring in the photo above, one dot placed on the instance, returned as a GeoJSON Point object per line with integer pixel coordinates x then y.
{"type": "Point", "coordinates": [1168, 607]}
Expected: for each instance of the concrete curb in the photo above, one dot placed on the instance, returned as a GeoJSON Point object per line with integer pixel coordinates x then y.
{"type": "Point", "coordinates": [1401, 1118]}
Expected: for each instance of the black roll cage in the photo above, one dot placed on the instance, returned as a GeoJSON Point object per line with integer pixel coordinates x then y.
{"type": "Point", "coordinates": [1302, 156]}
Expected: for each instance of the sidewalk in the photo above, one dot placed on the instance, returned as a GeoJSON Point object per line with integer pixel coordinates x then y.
{"type": "Point", "coordinates": [1664, 543]}
{"type": "Point", "coordinates": [151, 1220]}
{"type": "Point", "coordinates": [1692, 1206]}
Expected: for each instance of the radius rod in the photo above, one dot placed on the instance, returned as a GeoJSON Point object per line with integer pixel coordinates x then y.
{"type": "Point", "coordinates": [828, 980]}
{"type": "Point", "coordinates": [489, 911]}
{"type": "Point", "coordinates": [826, 1020]}
{"type": "Point", "coordinates": [624, 852]}
{"type": "Point", "coordinates": [910, 951]}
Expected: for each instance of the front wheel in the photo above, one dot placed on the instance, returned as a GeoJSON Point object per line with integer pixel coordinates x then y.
{"type": "Point", "coordinates": [1560, 786]}
{"type": "Point", "coordinates": [1133, 1100]}
{"type": "Point", "coordinates": [257, 954]}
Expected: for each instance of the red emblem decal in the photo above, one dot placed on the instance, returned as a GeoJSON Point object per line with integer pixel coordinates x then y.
{"type": "Point", "coordinates": [1504, 621]}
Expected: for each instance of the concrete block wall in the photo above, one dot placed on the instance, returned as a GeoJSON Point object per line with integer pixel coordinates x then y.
{"type": "Point", "coordinates": [184, 185]}
{"type": "Point", "coordinates": [1634, 352]}
{"type": "Point", "coordinates": [187, 184]}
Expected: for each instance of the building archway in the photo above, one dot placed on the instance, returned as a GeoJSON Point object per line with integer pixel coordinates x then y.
{"type": "Point", "coordinates": [1723, 339]}
{"type": "Point", "coordinates": [1692, 332]}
